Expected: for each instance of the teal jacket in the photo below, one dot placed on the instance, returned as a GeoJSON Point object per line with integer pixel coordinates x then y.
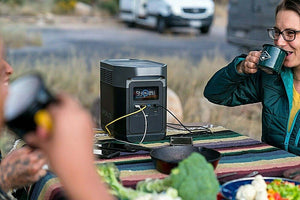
{"type": "Point", "coordinates": [275, 92]}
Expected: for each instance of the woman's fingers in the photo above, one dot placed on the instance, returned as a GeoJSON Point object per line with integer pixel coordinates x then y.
{"type": "Point", "coordinates": [251, 61]}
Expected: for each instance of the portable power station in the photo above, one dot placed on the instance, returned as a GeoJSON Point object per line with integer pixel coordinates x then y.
{"type": "Point", "coordinates": [126, 86]}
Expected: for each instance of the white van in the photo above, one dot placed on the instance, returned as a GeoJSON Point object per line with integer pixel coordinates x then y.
{"type": "Point", "coordinates": [162, 14]}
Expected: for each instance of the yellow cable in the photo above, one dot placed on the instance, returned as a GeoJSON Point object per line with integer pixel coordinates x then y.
{"type": "Point", "coordinates": [99, 131]}
{"type": "Point", "coordinates": [122, 118]}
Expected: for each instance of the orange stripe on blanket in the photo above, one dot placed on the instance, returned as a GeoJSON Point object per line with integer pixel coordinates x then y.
{"type": "Point", "coordinates": [258, 165]}
{"type": "Point", "coordinates": [140, 175]}
{"type": "Point", "coordinates": [123, 159]}
{"type": "Point", "coordinates": [246, 148]}
{"type": "Point", "coordinates": [221, 139]}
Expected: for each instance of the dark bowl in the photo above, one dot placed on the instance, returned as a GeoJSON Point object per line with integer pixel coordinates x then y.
{"type": "Point", "coordinates": [166, 158]}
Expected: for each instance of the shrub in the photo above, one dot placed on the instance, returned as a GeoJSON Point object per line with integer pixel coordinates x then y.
{"type": "Point", "coordinates": [14, 2]}
{"type": "Point", "coordinates": [64, 6]}
{"type": "Point", "coordinates": [111, 6]}
{"type": "Point", "coordinates": [90, 2]}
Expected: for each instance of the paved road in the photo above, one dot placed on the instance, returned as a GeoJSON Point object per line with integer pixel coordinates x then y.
{"type": "Point", "coordinates": [115, 40]}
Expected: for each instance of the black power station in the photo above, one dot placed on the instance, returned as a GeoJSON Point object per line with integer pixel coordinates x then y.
{"type": "Point", "coordinates": [127, 85]}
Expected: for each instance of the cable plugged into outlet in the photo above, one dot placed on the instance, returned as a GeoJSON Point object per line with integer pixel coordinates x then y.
{"type": "Point", "coordinates": [138, 106]}
{"type": "Point", "coordinates": [141, 108]}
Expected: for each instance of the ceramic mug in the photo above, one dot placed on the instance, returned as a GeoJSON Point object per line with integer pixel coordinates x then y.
{"type": "Point", "coordinates": [271, 59]}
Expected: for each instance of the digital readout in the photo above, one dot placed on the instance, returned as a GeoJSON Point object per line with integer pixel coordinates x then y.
{"type": "Point", "coordinates": [145, 93]}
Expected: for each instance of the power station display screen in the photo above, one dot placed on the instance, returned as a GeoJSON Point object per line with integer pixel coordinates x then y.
{"type": "Point", "coordinates": [145, 93]}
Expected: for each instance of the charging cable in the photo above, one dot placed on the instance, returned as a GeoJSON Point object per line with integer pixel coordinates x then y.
{"type": "Point", "coordinates": [158, 105]}
{"type": "Point", "coordinates": [146, 123]}
{"type": "Point", "coordinates": [140, 110]}
{"type": "Point", "coordinates": [185, 127]}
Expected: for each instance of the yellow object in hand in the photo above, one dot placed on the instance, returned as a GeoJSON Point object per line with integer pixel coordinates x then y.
{"type": "Point", "coordinates": [42, 118]}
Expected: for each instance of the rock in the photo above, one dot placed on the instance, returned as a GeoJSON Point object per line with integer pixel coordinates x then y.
{"type": "Point", "coordinates": [82, 9]}
{"type": "Point", "coordinates": [49, 18]}
{"type": "Point", "coordinates": [174, 105]}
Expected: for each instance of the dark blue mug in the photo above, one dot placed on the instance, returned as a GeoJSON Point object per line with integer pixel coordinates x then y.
{"type": "Point", "coordinates": [271, 59]}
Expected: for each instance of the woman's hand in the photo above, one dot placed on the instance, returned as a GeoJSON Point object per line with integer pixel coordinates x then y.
{"type": "Point", "coordinates": [21, 167]}
{"type": "Point", "coordinates": [249, 65]}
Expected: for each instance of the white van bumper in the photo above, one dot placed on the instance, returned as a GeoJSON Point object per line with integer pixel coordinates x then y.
{"type": "Point", "coordinates": [177, 21]}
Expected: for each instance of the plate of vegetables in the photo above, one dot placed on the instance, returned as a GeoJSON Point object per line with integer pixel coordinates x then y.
{"type": "Point", "coordinates": [261, 188]}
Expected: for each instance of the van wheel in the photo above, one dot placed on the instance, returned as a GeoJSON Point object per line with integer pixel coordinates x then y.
{"type": "Point", "coordinates": [161, 25]}
{"type": "Point", "coordinates": [204, 29]}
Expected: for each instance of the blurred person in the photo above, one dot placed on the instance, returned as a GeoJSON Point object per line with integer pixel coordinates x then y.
{"type": "Point", "coordinates": [69, 148]}
{"type": "Point", "coordinates": [23, 166]}
{"type": "Point", "coordinates": [242, 82]}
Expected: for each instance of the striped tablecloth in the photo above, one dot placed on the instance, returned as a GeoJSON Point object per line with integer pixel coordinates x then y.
{"type": "Point", "coordinates": [240, 154]}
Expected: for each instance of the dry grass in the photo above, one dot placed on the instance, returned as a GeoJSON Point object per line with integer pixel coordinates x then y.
{"type": "Point", "coordinates": [18, 36]}
{"type": "Point", "coordinates": [70, 75]}
{"type": "Point", "coordinates": [29, 8]}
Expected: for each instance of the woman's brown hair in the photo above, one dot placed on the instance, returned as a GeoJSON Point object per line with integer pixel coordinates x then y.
{"type": "Point", "coordinates": [293, 5]}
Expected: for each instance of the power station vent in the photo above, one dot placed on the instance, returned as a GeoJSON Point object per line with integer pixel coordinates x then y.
{"type": "Point", "coordinates": [106, 76]}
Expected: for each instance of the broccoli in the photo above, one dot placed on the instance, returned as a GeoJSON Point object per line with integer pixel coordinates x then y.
{"type": "Point", "coordinates": [194, 179]}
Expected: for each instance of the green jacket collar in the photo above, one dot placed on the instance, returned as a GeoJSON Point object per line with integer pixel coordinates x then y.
{"type": "Point", "coordinates": [287, 78]}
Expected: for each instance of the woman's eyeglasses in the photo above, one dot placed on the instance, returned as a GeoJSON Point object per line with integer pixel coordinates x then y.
{"type": "Point", "coordinates": [287, 34]}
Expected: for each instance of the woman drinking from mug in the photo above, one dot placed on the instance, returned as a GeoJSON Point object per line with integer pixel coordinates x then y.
{"type": "Point", "coordinates": [243, 82]}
